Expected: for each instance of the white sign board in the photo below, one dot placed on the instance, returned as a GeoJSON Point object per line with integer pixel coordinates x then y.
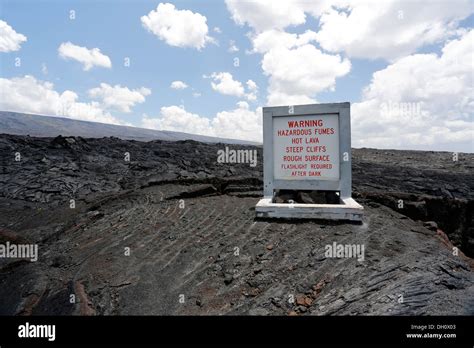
{"type": "Point", "coordinates": [306, 147]}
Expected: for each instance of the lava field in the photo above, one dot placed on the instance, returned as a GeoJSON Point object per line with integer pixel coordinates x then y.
{"type": "Point", "coordinates": [162, 228]}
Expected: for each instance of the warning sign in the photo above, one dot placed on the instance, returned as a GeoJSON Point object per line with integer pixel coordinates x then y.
{"type": "Point", "coordinates": [306, 147]}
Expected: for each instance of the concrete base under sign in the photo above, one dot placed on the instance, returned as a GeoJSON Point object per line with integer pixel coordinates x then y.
{"type": "Point", "coordinates": [349, 210]}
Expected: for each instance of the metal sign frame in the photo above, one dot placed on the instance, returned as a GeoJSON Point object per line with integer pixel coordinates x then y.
{"type": "Point", "coordinates": [343, 185]}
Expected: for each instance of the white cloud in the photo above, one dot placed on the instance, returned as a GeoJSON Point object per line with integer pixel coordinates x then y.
{"type": "Point", "coordinates": [389, 29]}
{"type": "Point", "coordinates": [298, 74]}
{"type": "Point", "coordinates": [87, 57]}
{"type": "Point", "coordinates": [421, 101]}
{"type": "Point", "coordinates": [217, 30]}
{"type": "Point", "coordinates": [178, 85]}
{"type": "Point", "coordinates": [179, 28]}
{"type": "Point", "coordinates": [29, 95]}
{"type": "Point", "coordinates": [276, 98]}
{"type": "Point", "coordinates": [297, 70]}
{"type": "Point", "coordinates": [232, 47]}
{"type": "Point", "coordinates": [271, 39]}
{"type": "Point", "coordinates": [253, 90]}
{"type": "Point", "coordinates": [118, 97]}
{"type": "Point", "coordinates": [366, 28]}
{"type": "Point", "coordinates": [44, 69]}
{"type": "Point", "coordinates": [252, 86]}
{"type": "Point", "coordinates": [224, 83]}
{"type": "Point", "coordinates": [240, 123]}
{"type": "Point", "coordinates": [176, 118]}
{"type": "Point", "coordinates": [266, 14]}
{"type": "Point", "coordinates": [10, 40]}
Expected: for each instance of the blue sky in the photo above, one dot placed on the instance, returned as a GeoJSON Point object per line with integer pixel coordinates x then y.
{"type": "Point", "coordinates": [341, 69]}
{"type": "Point", "coordinates": [115, 27]}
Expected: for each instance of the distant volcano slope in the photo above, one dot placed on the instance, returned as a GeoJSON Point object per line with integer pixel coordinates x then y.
{"type": "Point", "coordinates": [162, 227]}
{"type": "Point", "coordinates": [52, 126]}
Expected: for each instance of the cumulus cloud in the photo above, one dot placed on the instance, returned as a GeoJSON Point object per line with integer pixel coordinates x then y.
{"type": "Point", "coordinates": [239, 123]}
{"type": "Point", "coordinates": [296, 68]}
{"type": "Point", "coordinates": [179, 28]}
{"type": "Point", "coordinates": [118, 97]}
{"type": "Point", "coordinates": [178, 85]}
{"type": "Point", "coordinates": [87, 57]}
{"type": "Point", "coordinates": [253, 90]}
{"type": "Point", "coordinates": [271, 39]}
{"type": "Point", "coordinates": [10, 40]}
{"type": "Point", "coordinates": [367, 28]}
{"type": "Point", "coordinates": [29, 95]}
{"type": "Point", "coordinates": [224, 83]}
{"type": "Point", "coordinates": [389, 29]}
{"type": "Point", "coordinates": [276, 98]}
{"type": "Point", "coordinates": [421, 101]}
{"type": "Point", "coordinates": [298, 71]}
{"type": "Point", "coordinates": [267, 14]}
{"type": "Point", "coordinates": [176, 118]}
